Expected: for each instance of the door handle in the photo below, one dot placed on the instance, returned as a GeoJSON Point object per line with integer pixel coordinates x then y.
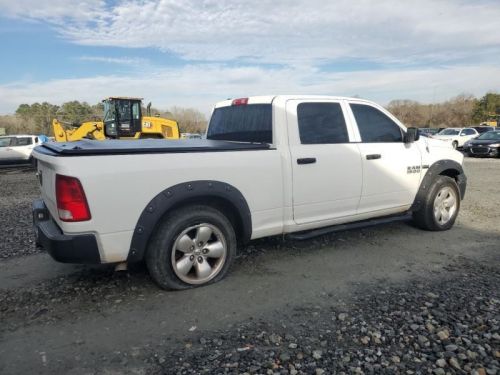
{"type": "Point", "coordinates": [373, 156]}
{"type": "Point", "coordinates": [306, 161]}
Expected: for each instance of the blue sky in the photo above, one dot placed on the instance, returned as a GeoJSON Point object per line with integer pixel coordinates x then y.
{"type": "Point", "coordinates": [193, 53]}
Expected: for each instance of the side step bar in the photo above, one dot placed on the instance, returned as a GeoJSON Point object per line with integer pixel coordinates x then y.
{"type": "Point", "coordinates": [305, 235]}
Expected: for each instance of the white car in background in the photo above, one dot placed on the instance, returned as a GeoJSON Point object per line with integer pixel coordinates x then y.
{"type": "Point", "coordinates": [457, 136]}
{"type": "Point", "coordinates": [16, 149]}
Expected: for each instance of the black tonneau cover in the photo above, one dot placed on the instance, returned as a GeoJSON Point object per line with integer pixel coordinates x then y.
{"type": "Point", "coordinates": [144, 146]}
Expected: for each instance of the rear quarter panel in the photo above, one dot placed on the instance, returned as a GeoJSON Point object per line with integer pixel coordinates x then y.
{"type": "Point", "coordinates": [118, 188]}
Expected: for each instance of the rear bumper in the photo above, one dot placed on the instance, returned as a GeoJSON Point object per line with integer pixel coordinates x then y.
{"type": "Point", "coordinates": [81, 249]}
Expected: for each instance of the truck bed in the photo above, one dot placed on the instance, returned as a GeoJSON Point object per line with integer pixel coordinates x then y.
{"type": "Point", "coordinates": [144, 146]}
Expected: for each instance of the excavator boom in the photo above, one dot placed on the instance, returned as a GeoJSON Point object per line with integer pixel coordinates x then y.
{"type": "Point", "coordinates": [89, 129]}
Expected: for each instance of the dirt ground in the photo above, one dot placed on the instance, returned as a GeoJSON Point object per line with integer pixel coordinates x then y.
{"type": "Point", "coordinates": [391, 299]}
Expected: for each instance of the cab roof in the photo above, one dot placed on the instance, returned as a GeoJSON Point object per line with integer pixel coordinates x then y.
{"type": "Point", "coordinates": [122, 97]}
{"type": "Point", "coordinates": [268, 99]}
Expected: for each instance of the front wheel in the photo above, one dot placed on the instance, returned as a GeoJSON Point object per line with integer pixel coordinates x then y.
{"type": "Point", "coordinates": [440, 207]}
{"type": "Point", "coordinates": [193, 246]}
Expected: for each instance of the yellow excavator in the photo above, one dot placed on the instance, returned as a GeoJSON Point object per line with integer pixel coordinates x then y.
{"type": "Point", "coordinates": [122, 120]}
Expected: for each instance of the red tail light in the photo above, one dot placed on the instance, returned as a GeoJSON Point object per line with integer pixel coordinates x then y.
{"type": "Point", "coordinates": [71, 201]}
{"type": "Point", "coordinates": [240, 101]}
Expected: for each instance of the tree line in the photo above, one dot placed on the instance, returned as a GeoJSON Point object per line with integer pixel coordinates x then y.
{"type": "Point", "coordinates": [37, 118]}
{"type": "Point", "coordinates": [459, 111]}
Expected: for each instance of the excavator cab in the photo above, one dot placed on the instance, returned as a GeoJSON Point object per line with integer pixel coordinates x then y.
{"type": "Point", "coordinates": [122, 117]}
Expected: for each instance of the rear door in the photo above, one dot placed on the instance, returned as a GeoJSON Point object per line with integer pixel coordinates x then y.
{"type": "Point", "coordinates": [391, 168]}
{"type": "Point", "coordinates": [326, 167]}
{"type": "Point", "coordinates": [23, 148]}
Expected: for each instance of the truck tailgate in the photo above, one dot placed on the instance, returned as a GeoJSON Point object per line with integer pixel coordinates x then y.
{"type": "Point", "coordinates": [46, 174]}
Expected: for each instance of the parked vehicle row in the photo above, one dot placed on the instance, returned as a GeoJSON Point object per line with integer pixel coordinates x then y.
{"type": "Point", "coordinates": [480, 141]}
{"type": "Point", "coordinates": [456, 136]}
{"type": "Point", "coordinates": [17, 149]}
{"type": "Point", "coordinates": [487, 144]}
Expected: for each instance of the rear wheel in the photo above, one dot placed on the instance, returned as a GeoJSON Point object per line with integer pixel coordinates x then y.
{"type": "Point", "coordinates": [440, 207]}
{"type": "Point", "coordinates": [193, 246]}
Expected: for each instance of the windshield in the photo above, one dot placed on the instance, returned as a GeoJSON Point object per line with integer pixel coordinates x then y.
{"type": "Point", "coordinates": [123, 110]}
{"type": "Point", "coordinates": [242, 123]}
{"type": "Point", "coordinates": [491, 135]}
{"type": "Point", "coordinates": [449, 132]}
{"type": "Point", "coordinates": [4, 142]}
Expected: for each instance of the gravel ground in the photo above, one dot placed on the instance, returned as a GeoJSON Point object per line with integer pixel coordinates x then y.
{"type": "Point", "coordinates": [18, 189]}
{"type": "Point", "coordinates": [389, 299]}
{"type": "Point", "coordinates": [443, 326]}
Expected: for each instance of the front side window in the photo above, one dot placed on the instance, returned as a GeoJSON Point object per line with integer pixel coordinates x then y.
{"type": "Point", "coordinates": [109, 111]}
{"type": "Point", "coordinates": [375, 126]}
{"type": "Point", "coordinates": [321, 123]}
{"type": "Point", "coordinates": [135, 111]}
{"type": "Point", "coordinates": [5, 142]}
{"type": "Point", "coordinates": [242, 123]}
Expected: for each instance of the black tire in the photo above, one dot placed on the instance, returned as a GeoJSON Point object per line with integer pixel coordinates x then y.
{"type": "Point", "coordinates": [424, 217]}
{"type": "Point", "coordinates": [159, 258]}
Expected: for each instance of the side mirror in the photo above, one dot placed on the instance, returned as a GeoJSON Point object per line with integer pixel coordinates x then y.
{"type": "Point", "coordinates": [411, 135]}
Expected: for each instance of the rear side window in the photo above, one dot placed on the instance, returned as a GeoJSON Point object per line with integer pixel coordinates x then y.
{"type": "Point", "coordinates": [468, 132]}
{"type": "Point", "coordinates": [375, 126]}
{"type": "Point", "coordinates": [25, 141]}
{"type": "Point", "coordinates": [242, 123]}
{"type": "Point", "coordinates": [321, 123]}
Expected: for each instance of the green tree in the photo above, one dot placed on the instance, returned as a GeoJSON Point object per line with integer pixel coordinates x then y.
{"type": "Point", "coordinates": [487, 107]}
{"type": "Point", "coordinates": [37, 117]}
{"type": "Point", "coordinates": [75, 112]}
{"type": "Point", "coordinates": [24, 111]}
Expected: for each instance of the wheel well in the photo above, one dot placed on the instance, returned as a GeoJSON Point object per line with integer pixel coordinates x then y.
{"type": "Point", "coordinates": [219, 195]}
{"type": "Point", "coordinates": [453, 173]}
{"type": "Point", "coordinates": [220, 204]}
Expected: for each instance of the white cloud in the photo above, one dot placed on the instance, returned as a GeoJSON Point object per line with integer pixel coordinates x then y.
{"type": "Point", "coordinates": [289, 31]}
{"type": "Point", "coordinates": [201, 86]}
{"type": "Point", "coordinates": [55, 11]}
{"type": "Point", "coordinates": [133, 61]}
{"type": "Point", "coordinates": [429, 49]}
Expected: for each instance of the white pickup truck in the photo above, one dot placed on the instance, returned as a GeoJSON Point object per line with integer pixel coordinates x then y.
{"type": "Point", "coordinates": [270, 165]}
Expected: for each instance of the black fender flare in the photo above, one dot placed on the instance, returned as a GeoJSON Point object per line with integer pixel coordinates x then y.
{"type": "Point", "coordinates": [437, 169]}
{"type": "Point", "coordinates": [184, 193]}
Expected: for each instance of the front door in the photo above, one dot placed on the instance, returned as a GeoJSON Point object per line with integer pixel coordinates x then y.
{"type": "Point", "coordinates": [391, 168]}
{"type": "Point", "coordinates": [326, 167]}
{"type": "Point", "coordinates": [6, 151]}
